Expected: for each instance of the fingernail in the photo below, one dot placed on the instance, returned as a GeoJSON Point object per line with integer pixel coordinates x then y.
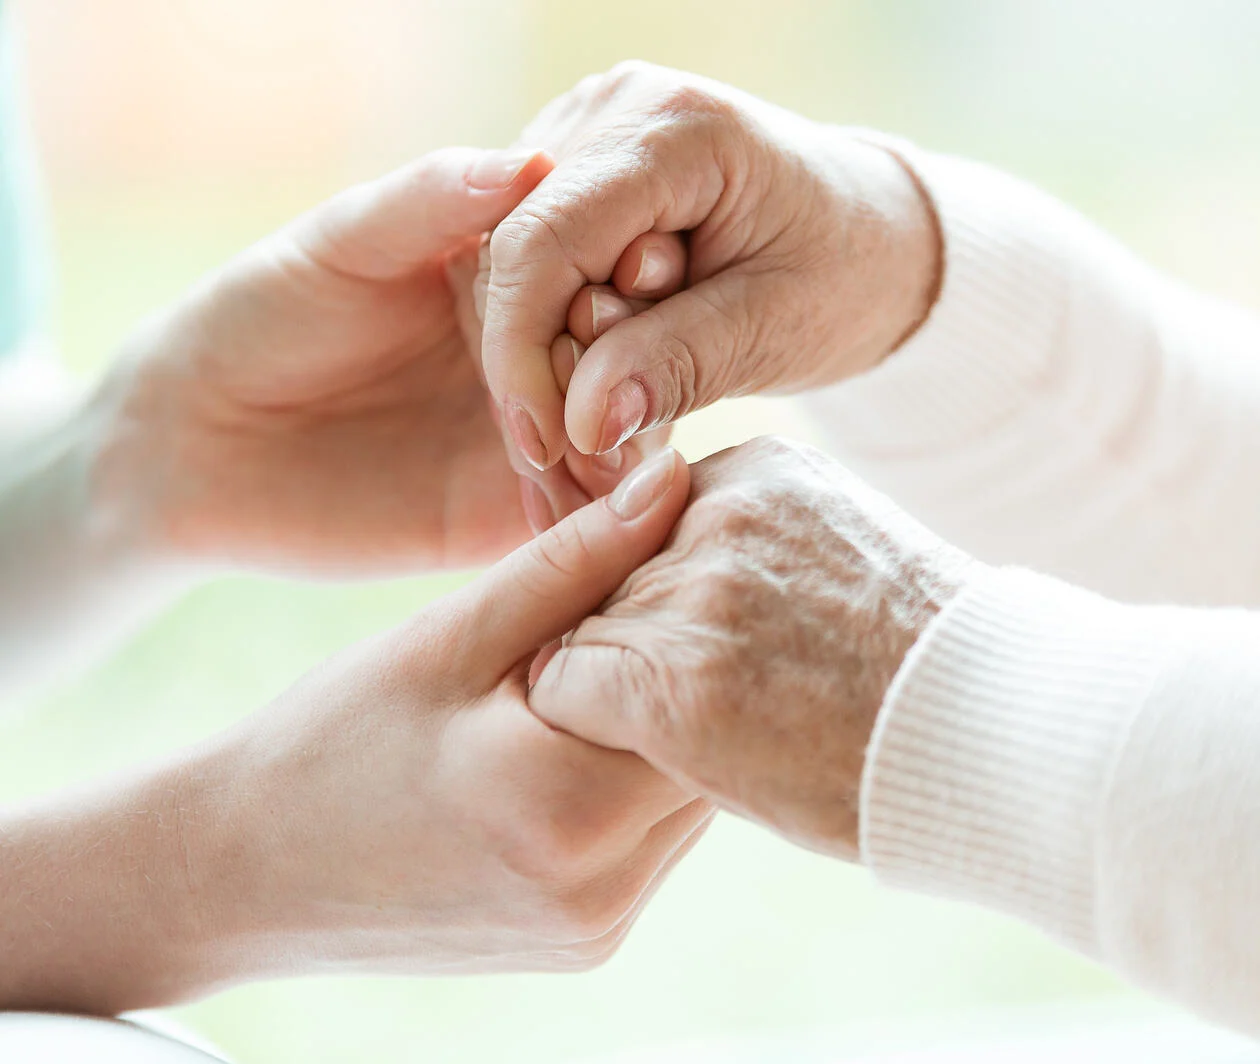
{"type": "Point", "coordinates": [627, 407]}
{"type": "Point", "coordinates": [525, 434]}
{"type": "Point", "coordinates": [537, 507]}
{"type": "Point", "coordinates": [636, 494]}
{"type": "Point", "coordinates": [606, 310]}
{"type": "Point", "coordinates": [652, 269]}
{"type": "Point", "coordinates": [498, 170]}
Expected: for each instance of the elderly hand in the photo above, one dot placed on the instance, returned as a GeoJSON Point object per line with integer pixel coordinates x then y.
{"type": "Point", "coordinates": [316, 406]}
{"type": "Point", "coordinates": [811, 255]}
{"type": "Point", "coordinates": [399, 810]}
{"type": "Point", "coordinates": [748, 660]}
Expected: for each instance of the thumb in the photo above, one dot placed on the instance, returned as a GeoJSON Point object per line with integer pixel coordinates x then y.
{"type": "Point", "coordinates": [650, 369]}
{"type": "Point", "coordinates": [384, 229]}
{"type": "Point", "coordinates": [552, 583]}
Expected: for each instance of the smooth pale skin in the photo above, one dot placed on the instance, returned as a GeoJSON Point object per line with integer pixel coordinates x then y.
{"type": "Point", "coordinates": [811, 255]}
{"type": "Point", "coordinates": [749, 659]}
{"type": "Point", "coordinates": [398, 810]}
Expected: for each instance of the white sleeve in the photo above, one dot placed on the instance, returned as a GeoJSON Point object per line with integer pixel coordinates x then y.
{"type": "Point", "coordinates": [1064, 406]}
{"type": "Point", "coordinates": [1089, 767]}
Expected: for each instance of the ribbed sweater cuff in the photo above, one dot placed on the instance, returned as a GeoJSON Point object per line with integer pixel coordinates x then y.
{"type": "Point", "coordinates": [991, 756]}
{"type": "Point", "coordinates": [987, 343]}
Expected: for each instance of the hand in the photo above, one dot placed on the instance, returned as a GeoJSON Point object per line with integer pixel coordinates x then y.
{"type": "Point", "coordinates": [812, 254]}
{"type": "Point", "coordinates": [398, 810]}
{"type": "Point", "coordinates": [748, 660]}
{"type": "Point", "coordinates": [315, 406]}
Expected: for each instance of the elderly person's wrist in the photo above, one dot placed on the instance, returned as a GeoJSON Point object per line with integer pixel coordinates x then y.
{"type": "Point", "coordinates": [894, 246]}
{"type": "Point", "coordinates": [750, 659]}
{"type": "Point", "coordinates": [911, 600]}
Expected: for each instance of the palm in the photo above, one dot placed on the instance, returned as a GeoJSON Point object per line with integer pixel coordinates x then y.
{"type": "Point", "coordinates": [338, 424]}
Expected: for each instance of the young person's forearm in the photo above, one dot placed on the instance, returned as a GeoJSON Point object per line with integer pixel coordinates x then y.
{"type": "Point", "coordinates": [120, 896]}
{"type": "Point", "coordinates": [76, 570]}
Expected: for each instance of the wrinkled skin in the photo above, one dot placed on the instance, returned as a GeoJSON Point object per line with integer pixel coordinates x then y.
{"type": "Point", "coordinates": [811, 255]}
{"type": "Point", "coordinates": [749, 659]}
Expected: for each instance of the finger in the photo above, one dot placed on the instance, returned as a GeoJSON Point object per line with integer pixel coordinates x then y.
{"type": "Point", "coordinates": [546, 497]}
{"type": "Point", "coordinates": [570, 232]}
{"type": "Point", "coordinates": [540, 662]}
{"type": "Point", "coordinates": [652, 267]}
{"type": "Point", "coordinates": [461, 276]}
{"type": "Point", "coordinates": [598, 474]}
{"type": "Point", "coordinates": [597, 308]}
{"type": "Point", "coordinates": [386, 228]}
{"type": "Point", "coordinates": [551, 496]}
{"type": "Point", "coordinates": [595, 692]}
{"type": "Point", "coordinates": [546, 587]}
{"type": "Point", "coordinates": [566, 352]}
{"type": "Point", "coordinates": [669, 841]}
{"type": "Point", "coordinates": [652, 368]}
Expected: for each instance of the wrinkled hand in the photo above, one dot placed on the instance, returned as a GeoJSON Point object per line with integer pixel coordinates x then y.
{"type": "Point", "coordinates": [811, 254]}
{"type": "Point", "coordinates": [316, 406]}
{"type": "Point", "coordinates": [748, 660]}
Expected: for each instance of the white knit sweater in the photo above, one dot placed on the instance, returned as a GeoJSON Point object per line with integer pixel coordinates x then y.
{"type": "Point", "coordinates": [1090, 767]}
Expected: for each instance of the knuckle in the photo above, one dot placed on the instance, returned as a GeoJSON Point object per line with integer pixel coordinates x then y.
{"type": "Point", "coordinates": [624, 73]}
{"type": "Point", "coordinates": [565, 549]}
{"type": "Point", "coordinates": [677, 370]}
{"type": "Point", "coordinates": [695, 106]}
{"type": "Point", "coordinates": [780, 447]}
{"type": "Point", "coordinates": [522, 237]}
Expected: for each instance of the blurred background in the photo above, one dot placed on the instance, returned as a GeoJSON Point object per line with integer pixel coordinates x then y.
{"type": "Point", "coordinates": [172, 133]}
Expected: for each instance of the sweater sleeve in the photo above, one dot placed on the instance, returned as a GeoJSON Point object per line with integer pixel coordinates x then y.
{"type": "Point", "coordinates": [1088, 767]}
{"type": "Point", "coordinates": [1065, 407]}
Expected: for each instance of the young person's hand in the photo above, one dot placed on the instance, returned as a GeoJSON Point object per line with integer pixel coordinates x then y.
{"type": "Point", "coordinates": [398, 810]}
{"type": "Point", "coordinates": [315, 406]}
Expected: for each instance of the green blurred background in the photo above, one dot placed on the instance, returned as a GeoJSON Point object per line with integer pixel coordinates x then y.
{"type": "Point", "coordinates": [174, 132]}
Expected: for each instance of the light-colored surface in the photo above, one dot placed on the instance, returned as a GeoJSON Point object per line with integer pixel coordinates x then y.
{"type": "Point", "coordinates": [177, 131]}
{"type": "Point", "coordinates": [39, 1038]}
{"type": "Point", "coordinates": [1048, 1039]}
{"type": "Point", "coordinates": [1085, 766]}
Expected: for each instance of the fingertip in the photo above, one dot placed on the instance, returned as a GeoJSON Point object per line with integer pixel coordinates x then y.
{"type": "Point", "coordinates": [597, 308]}
{"type": "Point", "coordinates": [541, 448]}
{"type": "Point", "coordinates": [653, 266]}
{"type": "Point", "coordinates": [516, 170]}
{"type": "Point", "coordinates": [583, 415]}
{"type": "Point", "coordinates": [657, 488]}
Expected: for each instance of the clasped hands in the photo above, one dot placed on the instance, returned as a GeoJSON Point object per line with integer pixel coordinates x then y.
{"type": "Point", "coordinates": [467, 792]}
